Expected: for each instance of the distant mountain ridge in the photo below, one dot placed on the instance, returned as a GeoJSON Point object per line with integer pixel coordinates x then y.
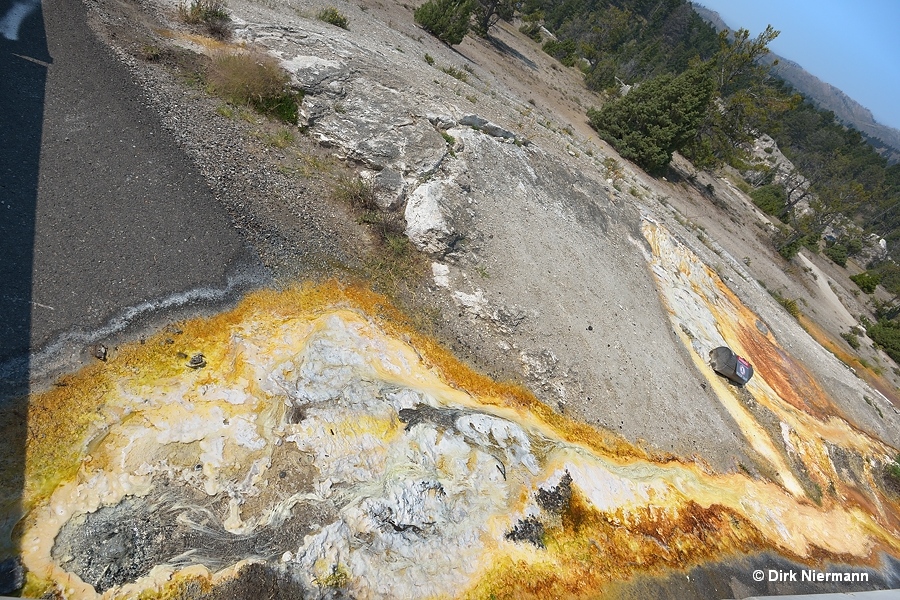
{"type": "Point", "coordinates": [886, 140]}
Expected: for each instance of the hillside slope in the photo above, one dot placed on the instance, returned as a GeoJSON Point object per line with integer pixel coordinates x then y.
{"type": "Point", "coordinates": [530, 415]}
{"type": "Point", "coordinates": [824, 95]}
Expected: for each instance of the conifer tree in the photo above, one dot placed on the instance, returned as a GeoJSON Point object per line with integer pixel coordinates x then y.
{"type": "Point", "coordinates": [447, 20]}
{"type": "Point", "coordinates": [657, 118]}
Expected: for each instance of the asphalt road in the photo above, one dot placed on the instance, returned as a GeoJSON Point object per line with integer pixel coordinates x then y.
{"type": "Point", "coordinates": [104, 221]}
{"type": "Point", "coordinates": [99, 209]}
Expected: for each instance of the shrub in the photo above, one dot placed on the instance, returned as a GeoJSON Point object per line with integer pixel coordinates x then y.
{"type": "Point", "coordinates": [867, 281]}
{"type": "Point", "coordinates": [613, 168]}
{"type": "Point", "coordinates": [893, 470]}
{"type": "Point", "coordinates": [769, 198]}
{"type": "Point", "coordinates": [885, 309]}
{"type": "Point", "coordinates": [854, 245]}
{"type": "Point", "coordinates": [657, 118]}
{"type": "Point", "coordinates": [255, 80]}
{"type": "Point", "coordinates": [811, 243]}
{"type": "Point", "coordinates": [789, 304]}
{"type": "Point", "coordinates": [892, 475]}
{"type": "Point", "coordinates": [333, 16]}
{"type": "Point", "coordinates": [209, 13]}
{"type": "Point", "coordinates": [357, 192]}
{"type": "Point", "coordinates": [602, 75]}
{"type": "Point", "coordinates": [150, 53]}
{"type": "Point", "coordinates": [565, 52]}
{"type": "Point", "coordinates": [886, 334]}
{"type": "Point", "coordinates": [851, 339]}
{"type": "Point", "coordinates": [532, 25]}
{"type": "Point", "coordinates": [447, 20]}
{"type": "Point", "coordinates": [531, 28]}
{"type": "Point", "coordinates": [838, 253]}
{"type": "Point", "coordinates": [360, 194]}
{"type": "Point", "coordinates": [456, 73]}
{"type": "Point", "coordinates": [789, 245]}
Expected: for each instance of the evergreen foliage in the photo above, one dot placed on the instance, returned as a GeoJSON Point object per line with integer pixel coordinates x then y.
{"type": "Point", "coordinates": [838, 172]}
{"type": "Point", "coordinates": [488, 12]}
{"type": "Point", "coordinates": [657, 118]}
{"type": "Point", "coordinates": [832, 156]}
{"type": "Point", "coordinates": [744, 103]}
{"type": "Point", "coordinates": [769, 198]}
{"type": "Point", "coordinates": [886, 334]}
{"type": "Point", "coordinates": [867, 281]}
{"type": "Point", "coordinates": [532, 25]}
{"type": "Point", "coordinates": [447, 20]}
{"type": "Point", "coordinates": [565, 52]}
{"type": "Point", "coordinates": [889, 272]}
{"type": "Point", "coordinates": [630, 39]}
{"type": "Point", "coordinates": [852, 339]}
{"type": "Point", "coordinates": [838, 253]}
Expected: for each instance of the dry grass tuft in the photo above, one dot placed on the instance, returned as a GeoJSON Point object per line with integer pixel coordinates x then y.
{"type": "Point", "coordinates": [210, 14]}
{"type": "Point", "coordinates": [256, 80]}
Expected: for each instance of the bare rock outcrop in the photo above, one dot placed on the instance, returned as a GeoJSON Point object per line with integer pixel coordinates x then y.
{"type": "Point", "coordinates": [536, 253]}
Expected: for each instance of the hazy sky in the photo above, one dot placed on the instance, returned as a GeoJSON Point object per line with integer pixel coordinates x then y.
{"type": "Point", "coordinates": [852, 44]}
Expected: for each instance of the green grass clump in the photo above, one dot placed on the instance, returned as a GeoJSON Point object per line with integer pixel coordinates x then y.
{"type": "Point", "coordinates": [357, 192]}
{"type": "Point", "coordinates": [456, 73]}
{"type": "Point", "coordinates": [280, 139]}
{"type": "Point", "coordinates": [789, 304]}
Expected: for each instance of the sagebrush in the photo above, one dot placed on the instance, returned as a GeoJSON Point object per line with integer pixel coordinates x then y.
{"type": "Point", "coordinates": [334, 17]}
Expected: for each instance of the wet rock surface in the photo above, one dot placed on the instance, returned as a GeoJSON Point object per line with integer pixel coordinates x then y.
{"type": "Point", "coordinates": [556, 499]}
{"type": "Point", "coordinates": [174, 525]}
{"type": "Point", "coordinates": [12, 575]}
{"type": "Point", "coordinates": [528, 530]}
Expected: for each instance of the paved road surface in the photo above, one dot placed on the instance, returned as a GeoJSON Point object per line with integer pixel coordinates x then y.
{"type": "Point", "coordinates": [100, 209]}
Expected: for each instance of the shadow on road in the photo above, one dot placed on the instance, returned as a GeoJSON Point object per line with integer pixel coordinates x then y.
{"type": "Point", "coordinates": [24, 59]}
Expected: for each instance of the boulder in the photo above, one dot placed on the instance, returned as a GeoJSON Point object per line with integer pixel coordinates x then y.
{"type": "Point", "coordinates": [487, 127]}
{"type": "Point", "coordinates": [374, 129]}
{"type": "Point", "coordinates": [390, 189]}
{"type": "Point", "coordinates": [441, 121]}
{"type": "Point", "coordinates": [317, 76]}
{"type": "Point", "coordinates": [425, 223]}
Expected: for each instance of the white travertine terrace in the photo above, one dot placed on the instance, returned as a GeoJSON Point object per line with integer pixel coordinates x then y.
{"type": "Point", "coordinates": [427, 480]}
